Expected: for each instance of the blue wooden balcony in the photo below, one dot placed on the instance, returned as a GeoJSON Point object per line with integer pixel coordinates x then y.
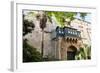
{"type": "Point", "coordinates": [67, 31]}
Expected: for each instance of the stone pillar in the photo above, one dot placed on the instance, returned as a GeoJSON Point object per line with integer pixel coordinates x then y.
{"type": "Point", "coordinates": [55, 48]}
{"type": "Point", "coordinates": [58, 48]}
{"type": "Point", "coordinates": [65, 54]}
{"type": "Point", "coordinates": [63, 50]}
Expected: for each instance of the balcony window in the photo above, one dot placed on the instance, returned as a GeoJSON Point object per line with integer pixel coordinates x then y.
{"type": "Point", "coordinates": [59, 31]}
{"type": "Point", "coordinates": [68, 31]}
{"type": "Point", "coordinates": [73, 32]}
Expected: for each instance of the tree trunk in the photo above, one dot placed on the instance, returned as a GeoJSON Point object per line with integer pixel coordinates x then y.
{"type": "Point", "coordinates": [42, 44]}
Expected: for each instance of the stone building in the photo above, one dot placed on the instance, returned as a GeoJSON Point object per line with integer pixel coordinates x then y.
{"type": "Point", "coordinates": [59, 43]}
{"type": "Point", "coordinates": [85, 28]}
{"type": "Point", "coordinates": [68, 42]}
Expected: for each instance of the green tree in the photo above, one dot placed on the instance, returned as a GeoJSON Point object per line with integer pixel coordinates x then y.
{"type": "Point", "coordinates": [88, 51]}
{"type": "Point", "coordinates": [28, 26]}
{"type": "Point", "coordinates": [62, 16]}
{"type": "Point", "coordinates": [81, 55]}
{"type": "Point", "coordinates": [30, 54]}
{"type": "Point", "coordinates": [83, 15]}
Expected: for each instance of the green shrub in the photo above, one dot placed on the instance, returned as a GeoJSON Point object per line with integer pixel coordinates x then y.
{"type": "Point", "coordinates": [30, 54]}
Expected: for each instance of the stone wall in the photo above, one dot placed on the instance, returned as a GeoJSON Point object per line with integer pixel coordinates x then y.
{"type": "Point", "coordinates": [35, 38]}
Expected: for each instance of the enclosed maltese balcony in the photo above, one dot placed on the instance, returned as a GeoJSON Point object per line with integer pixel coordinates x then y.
{"type": "Point", "coordinates": [67, 32]}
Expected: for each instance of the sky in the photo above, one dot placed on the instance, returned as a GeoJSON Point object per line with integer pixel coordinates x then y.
{"type": "Point", "coordinates": [87, 17]}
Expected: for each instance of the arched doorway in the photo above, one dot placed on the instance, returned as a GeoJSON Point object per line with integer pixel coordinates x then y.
{"type": "Point", "coordinates": [71, 52]}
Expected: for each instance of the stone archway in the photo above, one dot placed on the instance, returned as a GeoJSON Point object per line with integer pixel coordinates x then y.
{"type": "Point", "coordinates": [71, 52]}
